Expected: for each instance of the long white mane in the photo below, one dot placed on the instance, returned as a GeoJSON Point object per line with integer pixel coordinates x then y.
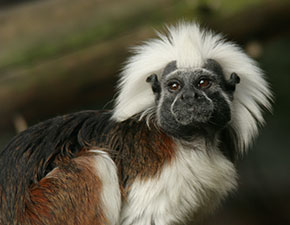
{"type": "Point", "coordinates": [191, 46]}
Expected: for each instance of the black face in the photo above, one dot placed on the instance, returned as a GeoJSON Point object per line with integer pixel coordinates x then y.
{"type": "Point", "coordinates": [190, 100]}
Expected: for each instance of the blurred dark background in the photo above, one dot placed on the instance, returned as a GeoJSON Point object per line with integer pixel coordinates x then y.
{"type": "Point", "coordinates": [61, 56]}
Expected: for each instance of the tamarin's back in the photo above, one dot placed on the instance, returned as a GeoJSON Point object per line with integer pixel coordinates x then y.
{"type": "Point", "coordinates": [32, 154]}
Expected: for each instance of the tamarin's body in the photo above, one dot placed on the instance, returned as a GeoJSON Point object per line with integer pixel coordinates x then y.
{"type": "Point", "coordinates": [164, 155]}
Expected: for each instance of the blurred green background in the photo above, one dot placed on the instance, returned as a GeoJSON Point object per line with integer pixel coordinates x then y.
{"type": "Point", "coordinates": [61, 56]}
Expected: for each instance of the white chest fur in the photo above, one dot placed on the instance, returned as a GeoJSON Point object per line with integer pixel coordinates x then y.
{"type": "Point", "coordinates": [194, 182]}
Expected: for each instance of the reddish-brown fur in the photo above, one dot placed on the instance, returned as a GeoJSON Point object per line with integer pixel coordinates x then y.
{"type": "Point", "coordinates": [70, 194]}
{"type": "Point", "coordinates": [150, 151]}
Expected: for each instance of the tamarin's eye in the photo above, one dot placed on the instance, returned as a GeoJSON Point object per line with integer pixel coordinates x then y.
{"type": "Point", "coordinates": [204, 83]}
{"type": "Point", "coordinates": [174, 86]}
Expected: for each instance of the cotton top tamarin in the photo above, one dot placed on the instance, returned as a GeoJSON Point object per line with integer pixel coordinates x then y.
{"type": "Point", "coordinates": [188, 104]}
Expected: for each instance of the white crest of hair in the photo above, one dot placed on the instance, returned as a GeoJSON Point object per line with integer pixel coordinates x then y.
{"type": "Point", "coordinates": [191, 46]}
{"type": "Point", "coordinates": [110, 194]}
{"type": "Point", "coordinates": [187, 188]}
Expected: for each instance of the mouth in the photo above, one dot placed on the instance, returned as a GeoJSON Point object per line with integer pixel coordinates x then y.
{"type": "Point", "coordinates": [183, 119]}
{"type": "Point", "coordinates": [191, 116]}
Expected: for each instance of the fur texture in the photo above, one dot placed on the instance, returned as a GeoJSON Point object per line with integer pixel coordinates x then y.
{"type": "Point", "coordinates": [190, 46]}
{"type": "Point", "coordinates": [191, 186]}
{"type": "Point", "coordinates": [110, 196]}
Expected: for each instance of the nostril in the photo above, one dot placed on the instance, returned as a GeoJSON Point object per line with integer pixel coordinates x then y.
{"type": "Point", "coordinates": [187, 97]}
{"type": "Point", "coordinates": [191, 98]}
{"type": "Point", "coordinates": [199, 96]}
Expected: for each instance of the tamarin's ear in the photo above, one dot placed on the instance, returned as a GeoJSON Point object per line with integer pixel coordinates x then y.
{"type": "Point", "coordinates": [155, 85]}
{"type": "Point", "coordinates": [232, 82]}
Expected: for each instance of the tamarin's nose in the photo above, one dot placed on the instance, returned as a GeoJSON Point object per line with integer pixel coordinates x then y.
{"type": "Point", "coordinates": [192, 97]}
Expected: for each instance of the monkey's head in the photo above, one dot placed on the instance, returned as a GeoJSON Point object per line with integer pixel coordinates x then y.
{"type": "Point", "coordinates": [189, 99]}
{"type": "Point", "coordinates": [195, 84]}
